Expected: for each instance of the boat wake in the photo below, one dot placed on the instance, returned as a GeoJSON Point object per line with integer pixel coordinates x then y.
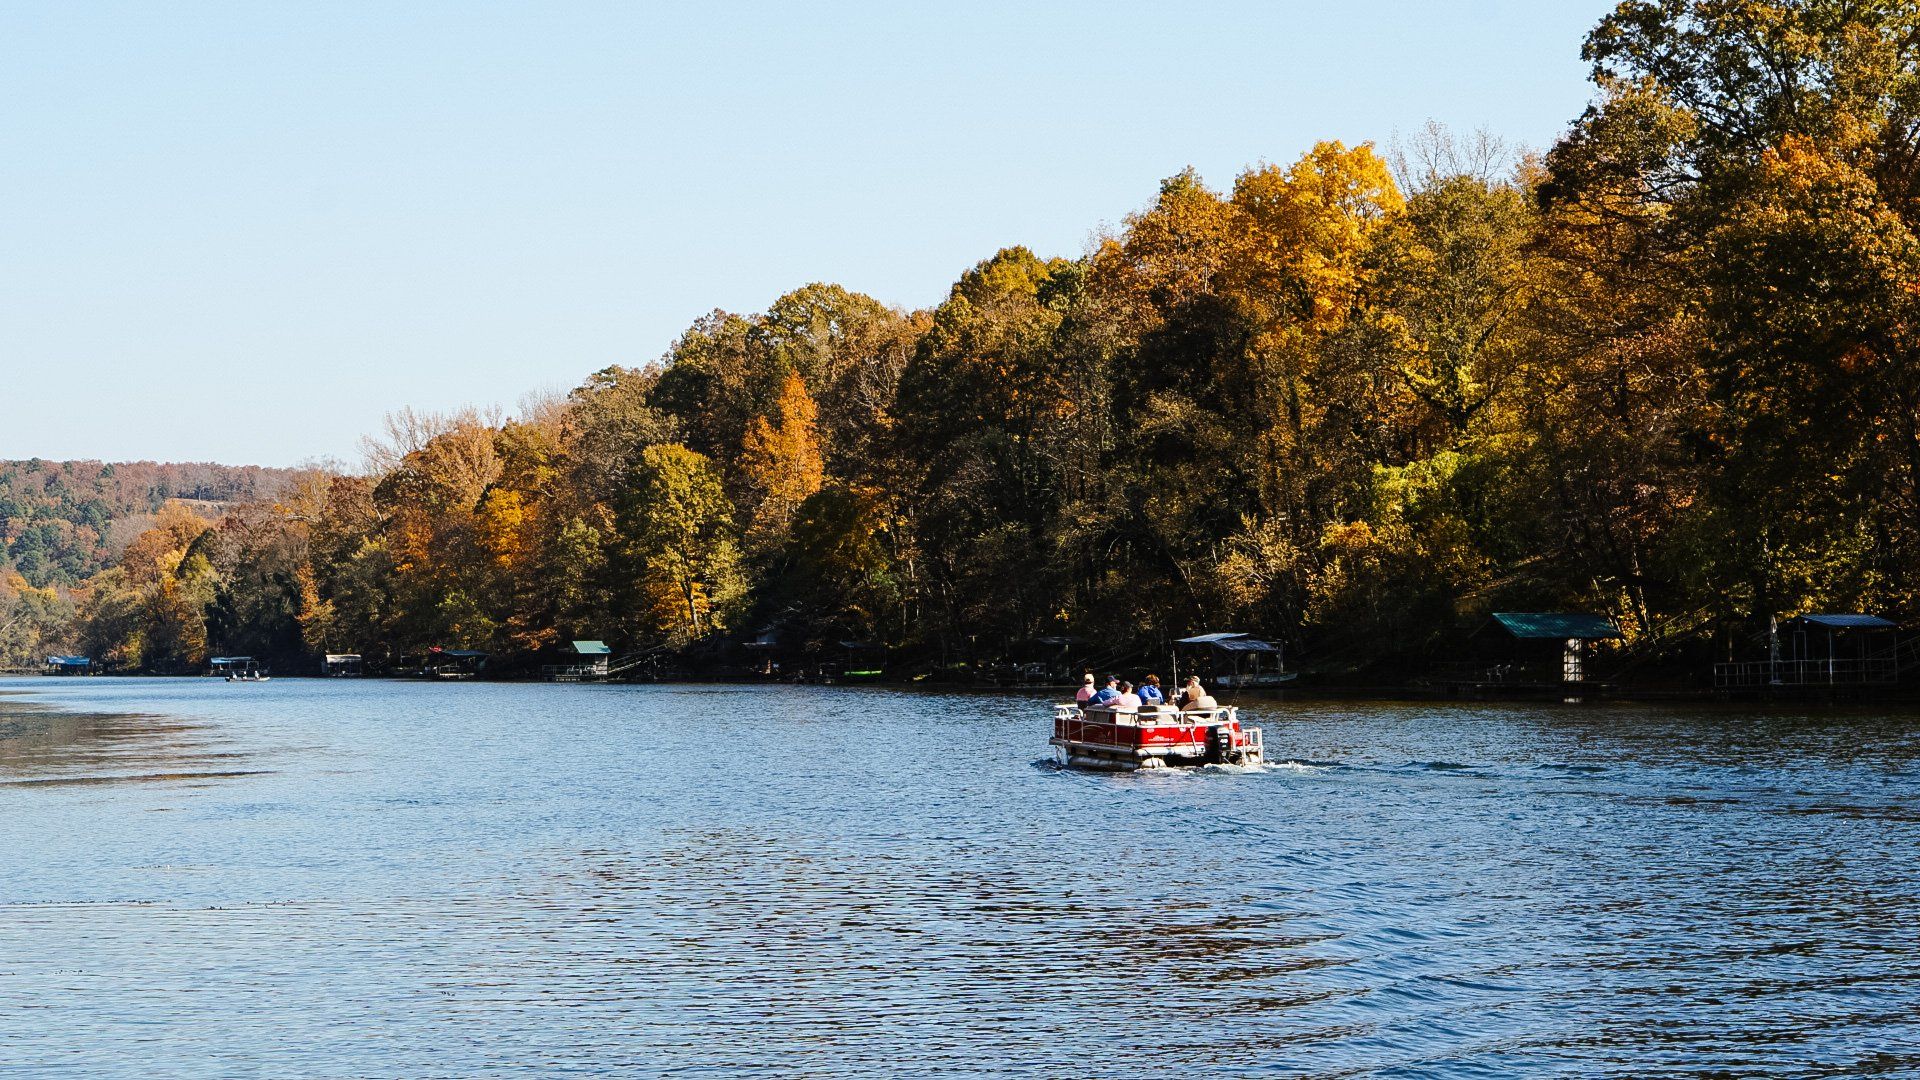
{"type": "Point", "coordinates": [1289, 766]}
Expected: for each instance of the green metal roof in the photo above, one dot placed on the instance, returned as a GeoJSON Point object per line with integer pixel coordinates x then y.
{"type": "Point", "coordinates": [1847, 621]}
{"type": "Point", "coordinates": [1556, 624]}
{"type": "Point", "coordinates": [591, 648]}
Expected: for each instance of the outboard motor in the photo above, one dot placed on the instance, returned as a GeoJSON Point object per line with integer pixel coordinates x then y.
{"type": "Point", "coordinates": [1219, 743]}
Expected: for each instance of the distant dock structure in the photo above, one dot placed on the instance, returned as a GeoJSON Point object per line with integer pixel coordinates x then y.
{"type": "Point", "coordinates": [1234, 661]}
{"type": "Point", "coordinates": [1834, 649]}
{"type": "Point", "coordinates": [69, 665]}
{"type": "Point", "coordinates": [586, 660]}
{"type": "Point", "coordinates": [1529, 651]}
{"type": "Point", "coordinates": [452, 664]}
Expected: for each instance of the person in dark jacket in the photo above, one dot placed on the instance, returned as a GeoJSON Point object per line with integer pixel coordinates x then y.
{"type": "Point", "coordinates": [1107, 693]}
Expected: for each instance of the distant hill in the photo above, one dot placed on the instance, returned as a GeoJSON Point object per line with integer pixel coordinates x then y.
{"type": "Point", "coordinates": [61, 521]}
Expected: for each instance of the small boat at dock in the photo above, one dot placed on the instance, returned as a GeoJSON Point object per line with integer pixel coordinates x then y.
{"type": "Point", "coordinates": [1152, 737]}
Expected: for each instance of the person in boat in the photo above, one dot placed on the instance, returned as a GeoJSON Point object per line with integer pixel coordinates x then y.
{"type": "Point", "coordinates": [1106, 694]}
{"type": "Point", "coordinates": [1086, 689]}
{"type": "Point", "coordinates": [1127, 699]}
{"type": "Point", "coordinates": [1194, 696]}
{"type": "Point", "coordinates": [1185, 694]}
{"type": "Point", "coordinates": [1150, 691]}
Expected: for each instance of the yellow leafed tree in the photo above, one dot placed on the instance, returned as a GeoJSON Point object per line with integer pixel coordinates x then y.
{"type": "Point", "coordinates": [782, 462]}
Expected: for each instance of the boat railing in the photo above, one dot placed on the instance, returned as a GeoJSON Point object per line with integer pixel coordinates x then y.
{"type": "Point", "coordinates": [1165, 715]}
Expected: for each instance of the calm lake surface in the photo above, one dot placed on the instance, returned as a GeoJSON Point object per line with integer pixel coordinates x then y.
{"type": "Point", "coordinates": [365, 878]}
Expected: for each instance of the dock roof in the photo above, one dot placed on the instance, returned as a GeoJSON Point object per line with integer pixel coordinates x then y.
{"type": "Point", "coordinates": [1231, 642]}
{"type": "Point", "coordinates": [1531, 625]}
{"type": "Point", "coordinates": [1848, 621]}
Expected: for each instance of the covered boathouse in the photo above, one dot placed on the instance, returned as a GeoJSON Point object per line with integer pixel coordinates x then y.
{"type": "Point", "coordinates": [1539, 647]}
{"type": "Point", "coordinates": [580, 661]}
{"type": "Point", "coordinates": [1827, 649]}
{"type": "Point", "coordinates": [444, 663]}
{"type": "Point", "coordinates": [1233, 661]}
{"type": "Point", "coordinates": [69, 665]}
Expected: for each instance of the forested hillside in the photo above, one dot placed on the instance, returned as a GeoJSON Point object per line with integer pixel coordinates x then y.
{"type": "Point", "coordinates": [64, 521]}
{"type": "Point", "coordinates": [1666, 371]}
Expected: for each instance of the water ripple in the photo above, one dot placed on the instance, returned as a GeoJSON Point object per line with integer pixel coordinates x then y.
{"type": "Point", "coordinates": [379, 879]}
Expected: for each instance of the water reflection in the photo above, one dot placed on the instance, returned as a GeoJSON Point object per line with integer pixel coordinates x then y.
{"type": "Point", "coordinates": [43, 746]}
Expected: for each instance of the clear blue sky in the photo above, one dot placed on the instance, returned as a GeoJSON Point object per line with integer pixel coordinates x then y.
{"type": "Point", "coordinates": [243, 232]}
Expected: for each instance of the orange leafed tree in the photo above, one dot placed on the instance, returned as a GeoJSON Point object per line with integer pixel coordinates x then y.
{"type": "Point", "coordinates": [781, 460]}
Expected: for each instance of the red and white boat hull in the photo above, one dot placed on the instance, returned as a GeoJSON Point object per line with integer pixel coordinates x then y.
{"type": "Point", "coordinates": [1149, 738]}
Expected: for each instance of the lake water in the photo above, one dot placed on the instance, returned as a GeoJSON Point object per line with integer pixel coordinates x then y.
{"type": "Point", "coordinates": [364, 878]}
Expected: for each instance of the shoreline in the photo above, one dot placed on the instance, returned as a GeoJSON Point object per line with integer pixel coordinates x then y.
{"type": "Point", "coordinates": [1592, 694]}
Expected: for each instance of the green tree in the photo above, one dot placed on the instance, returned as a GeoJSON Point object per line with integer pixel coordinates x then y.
{"type": "Point", "coordinates": [1754, 162]}
{"type": "Point", "coordinates": [984, 417]}
{"type": "Point", "coordinates": [680, 545]}
{"type": "Point", "coordinates": [34, 622]}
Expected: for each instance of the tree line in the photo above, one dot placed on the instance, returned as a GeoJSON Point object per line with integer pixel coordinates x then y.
{"type": "Point", "coordinates": [63, 521]}
{"type": "Point", "coordinates": [1665, 370]}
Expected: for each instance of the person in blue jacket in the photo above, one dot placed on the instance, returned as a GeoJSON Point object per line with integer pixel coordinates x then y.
{"type": "Point", "coordinates": [1150, 691]}
{"type": "Point", "coordinates": [1106, 694]}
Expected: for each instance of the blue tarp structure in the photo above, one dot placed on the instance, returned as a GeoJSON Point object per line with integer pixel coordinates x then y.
{"type": "Point", "coordinates": [454, 662]}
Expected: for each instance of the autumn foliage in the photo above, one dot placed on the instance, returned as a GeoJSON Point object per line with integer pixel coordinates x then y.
{"type": "Point", "coordinates": [1666, 371]}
